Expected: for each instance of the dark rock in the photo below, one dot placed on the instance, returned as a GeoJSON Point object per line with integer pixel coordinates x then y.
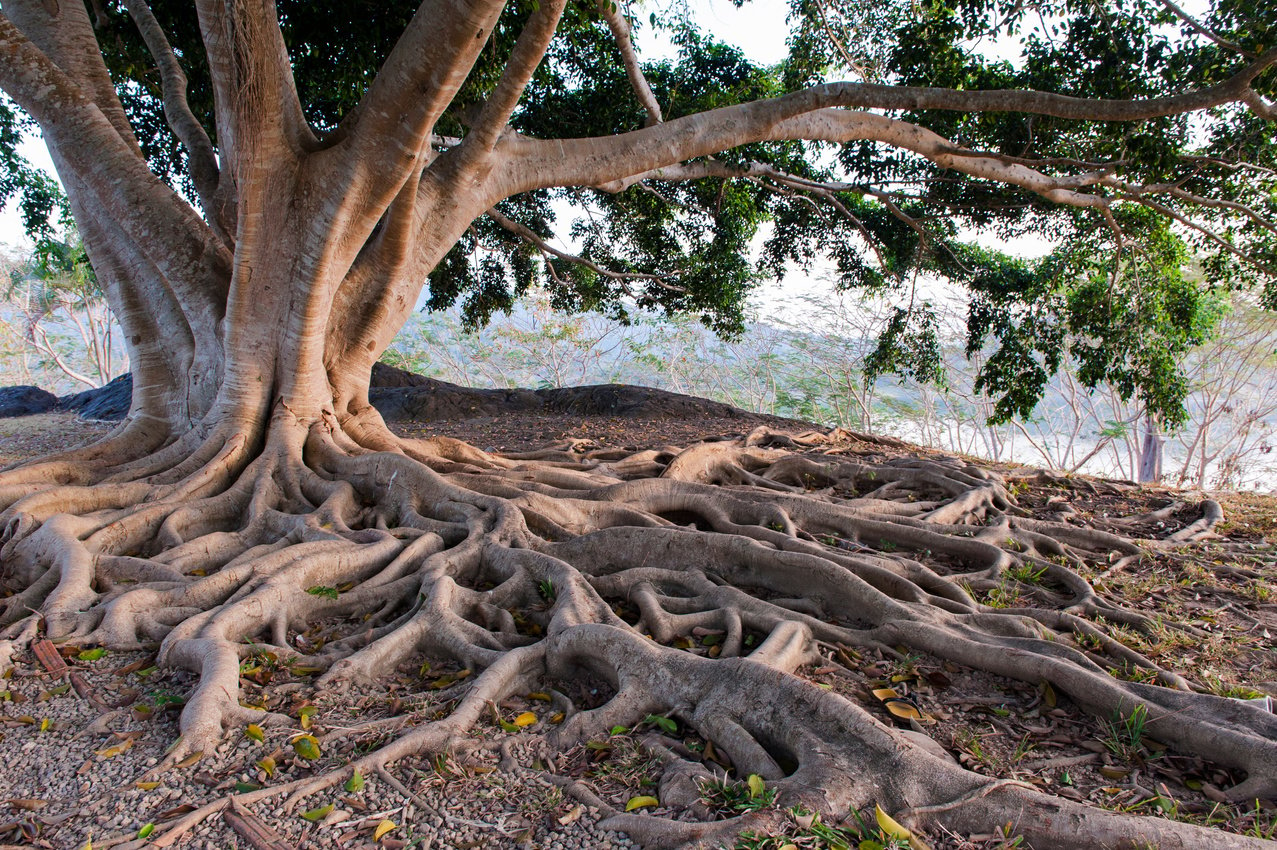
{"type": "Point", "coordinates": [25, 400]}
{"type": "Point", "coordinates": [109, 403]}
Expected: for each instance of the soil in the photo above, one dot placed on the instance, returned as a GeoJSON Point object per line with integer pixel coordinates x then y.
{"type": "Point", "coordinates": [76, 746]}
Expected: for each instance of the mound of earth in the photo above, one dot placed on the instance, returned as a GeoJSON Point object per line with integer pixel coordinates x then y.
{"type": "Point", "coordinates": [402, 396]}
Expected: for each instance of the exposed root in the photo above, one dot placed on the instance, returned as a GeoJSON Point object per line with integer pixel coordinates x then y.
{"type": "Point", "coordinates": [572, 562]}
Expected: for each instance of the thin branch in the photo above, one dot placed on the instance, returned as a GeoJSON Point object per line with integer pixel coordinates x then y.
{"type": "Point", "coordinates": [545, 247]}
{"type": "Point", "coordinates": [177, 110]}
{"type": "Point", "coordinates": [615, 19]}
{"type": "Point", "coordinates": [1205, 30]}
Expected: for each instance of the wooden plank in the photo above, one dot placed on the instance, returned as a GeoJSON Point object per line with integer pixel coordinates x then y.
{"type": "Point", "coordinates": [49, 657]}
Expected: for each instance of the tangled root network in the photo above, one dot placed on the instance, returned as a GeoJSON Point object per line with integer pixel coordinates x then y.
{"type": "Point", "coordinates": [542, 569]}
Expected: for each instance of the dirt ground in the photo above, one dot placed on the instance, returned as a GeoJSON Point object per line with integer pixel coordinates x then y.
{"type": "Point", "coordinates": [75, 747]}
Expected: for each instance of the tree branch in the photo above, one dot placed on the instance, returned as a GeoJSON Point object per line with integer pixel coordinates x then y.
{"type": "Point", "coordinates": [177, 110]}
{"type": "Point", "coordinates": [545, 247]}
{"type": "Point", "coordinates": [620, 27]}
{"type": "Point", "coordinates": [599, 160]}
{"type": "Point", "coordinates": [1205, 30]}
{"type": "Point", "coordinates": [528, 52]}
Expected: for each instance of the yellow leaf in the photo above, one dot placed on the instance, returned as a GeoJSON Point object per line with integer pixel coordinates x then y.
{"type": "Point", "coordinates": [45, 724]}
{"type": "Point", "coordinates": [886, 693]}
{"type": "Point", "coordinates": [756, 785]}
{"type": "Point", "coordinates": [382, 828]}
{"type": "Point", "coordinates": [895, 831]}
{"type": "Point", "coordinates": [305, 714]}
{"type": "Point", "coordinates": [539, 696]}
{"type": "Point", "coordinates": [255, 732]}
{"type": "Point", "coordinates": [640, 802]}
{"type": "Point", "coordinates": [267, 764]}
{"type": "Point", "coordinates": [888, 825]}
{"type": "Point", "coordinates": [88, 843]}
{"type": "Point", "coordinates": [306, 746]}
{"type": "Point", "coordinates": [146, 786]}
{"type": "Point", "coordinates": [557, 717]}
{"type": "Point", "coordinates": [1048, 695]}
{"type": "Point", "coordinates": [527, 718]}
{"type": "Point", "coordinates": [190, 760]}
{"type": "Point", "coordinates": [112, 752]}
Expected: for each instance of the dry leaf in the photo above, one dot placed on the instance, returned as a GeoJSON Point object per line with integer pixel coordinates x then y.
{"type": "Point", "coordinates": [118, 749]}
{"type": "Point", "coordinates": [190, 760]}
{"type": "Point", "coordinates": [572, 816]}
{"type": "Point", "coordinates": [382, 828]}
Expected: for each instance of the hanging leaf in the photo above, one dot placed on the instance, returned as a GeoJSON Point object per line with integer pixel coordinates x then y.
{"type": "Point", "coordinates": [355, 783]}
{"type": "Point", "coordinates": [306, 746]}
{"type": "Point", "coordinates": [255, 732]}
{"type": "Point", "coordinates": [641, 802]}
{"type": "Point", "coordinates": [316, 815]}
{"type": "Point", "coordinates": [527, 718]}
{"type": "Point", "coordinates": [382, 828]}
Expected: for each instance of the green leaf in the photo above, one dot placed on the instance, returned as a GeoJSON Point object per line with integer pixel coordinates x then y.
{"type": "Point", "coordinates": [355, 783]}
{"type": "Point", "coordinates": [316, 815]}
{"type": "Point", "coordinates": [91, 654]}
{"type": "Point", "coordinates": [756, 785]}
{"type": "Point", "coordinates": [146, 830]}
{"type": "Point", "coordinates": [620, 730]}
{"type": "Point", "coordinates": [245, 787]}
{"type": "Point", "coordinates": [663, 722]}
{"type": "Point", "coordinates": [306, 746]}
{"type": "Point", "coordinates": [255, 732]}
{"type": "Point", "coordinates": [323, 590]}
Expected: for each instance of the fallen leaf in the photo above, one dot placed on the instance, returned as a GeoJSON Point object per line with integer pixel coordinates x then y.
{"type": "Point", "coordinates": [355, 783]}
{"type": "Point", "coordinates": [190, 760]}
{"type": "Point", "coordinates": [316, 815]}
{"type": "Point", "coordinates": [146, 830]}
{"type": "Point", "coordinates": [382, 828]}
{"type": "Point", "coordinates": [305, 713]}
{"type": "Point", "coordinates": [146, 786]}
{"type": "Point", "coordinates": [268, 765]}
{"type": "Point", "coordinates": [91, 654]}
{"type": "Point", "coordinates": [27, 804]}
{"type": "Point", "coordinates": [756, 785]}
{"type": "Point", "coordinates": [255, 732]}
{"type": "Point", "coordinates": [572, 816]}
{"type": "Point", "coordinates": [306, 746]}
{"type": "Point", "coordinates": [527, 718]}
{"type": "Point", "coordinates": [118, 749]}
{"type": "Point", "coordinates": [539, 696]}
{"type": "Point", "coordinates": [641, 802]}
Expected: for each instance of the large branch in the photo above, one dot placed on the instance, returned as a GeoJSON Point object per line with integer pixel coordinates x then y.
{"type": "Point", "coordinates": [599, 160]}
{"type": "Point", "coordinates": [528, 52]}
{"type": "Point", "coordinates": [115, 175]}
{"type": "Point", "coordinates": [257, 108]}
{"type": "Point", "coordinates": [390, 128]}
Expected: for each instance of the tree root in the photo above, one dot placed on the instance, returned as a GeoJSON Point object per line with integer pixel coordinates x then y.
{"type": "Point", "coordinates": [572, 562]}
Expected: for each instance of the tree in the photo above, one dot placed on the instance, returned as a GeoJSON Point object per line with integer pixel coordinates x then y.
{"type": "Point", "coordinates": [263, 209]}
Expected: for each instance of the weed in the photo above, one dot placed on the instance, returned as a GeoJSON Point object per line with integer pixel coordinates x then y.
{"type": "Point", "coordinates": [1026, 573]}
{"type": "Point", "coordinates": [547, 591]}
{"type": "Point", "coordinates": [727, 798]}
{"type": "Point", "coordinates": [1125, 738]}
